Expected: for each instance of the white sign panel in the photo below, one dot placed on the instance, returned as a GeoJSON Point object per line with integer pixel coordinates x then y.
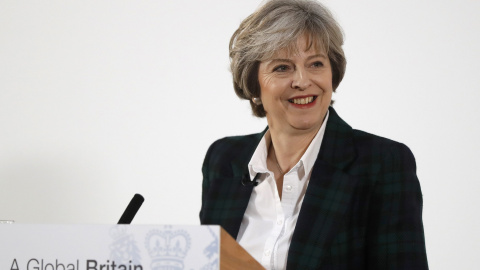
{"type": "Point", "coordinates": [107, 247]}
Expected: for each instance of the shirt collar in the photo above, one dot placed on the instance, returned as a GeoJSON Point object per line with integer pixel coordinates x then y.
{"type": "Point", "coordinates": [258, 162]}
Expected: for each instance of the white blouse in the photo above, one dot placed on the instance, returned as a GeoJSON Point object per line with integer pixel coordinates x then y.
{"type": "Point", "coordinates": [268, 223]}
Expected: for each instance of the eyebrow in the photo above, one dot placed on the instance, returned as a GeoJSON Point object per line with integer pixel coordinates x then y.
{"type": "Point", "coordinates": [317, 55]}
{"type": "Point", "coordinates": [290, 61]}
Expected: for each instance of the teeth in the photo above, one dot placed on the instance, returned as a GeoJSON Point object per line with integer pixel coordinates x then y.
{"type": "Point", "coordinates": [303, 100]}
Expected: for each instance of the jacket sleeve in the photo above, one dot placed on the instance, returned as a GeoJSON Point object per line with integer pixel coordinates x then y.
{"type": "Point", "coordinates": [206, 180]}
{"type": "Point", "coordinates": [395, 237]}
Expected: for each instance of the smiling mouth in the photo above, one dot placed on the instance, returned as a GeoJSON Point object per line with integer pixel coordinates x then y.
{"type": "Point", "coordinates": [302, 101]}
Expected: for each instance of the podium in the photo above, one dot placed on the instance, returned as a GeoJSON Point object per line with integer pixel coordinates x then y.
{"type": "Point", "coordinates": [120, 247]}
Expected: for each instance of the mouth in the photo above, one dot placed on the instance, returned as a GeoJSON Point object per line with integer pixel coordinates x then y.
{"type": "Point", "coordinates": [303, 100]}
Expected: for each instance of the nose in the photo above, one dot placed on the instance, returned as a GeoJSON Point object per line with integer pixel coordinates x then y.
{"type": "Point", "coordinates": [301, 79]}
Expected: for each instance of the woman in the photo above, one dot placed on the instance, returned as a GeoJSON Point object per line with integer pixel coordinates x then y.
{"type": "Point", "coordinates": [309, 192]}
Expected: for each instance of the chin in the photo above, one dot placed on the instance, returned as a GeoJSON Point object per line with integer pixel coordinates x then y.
{"type": "Point", "coordinates": [306, 125]}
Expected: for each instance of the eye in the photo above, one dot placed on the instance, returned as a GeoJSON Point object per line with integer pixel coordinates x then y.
{"type": "Point", "coordinates": [317, 64]}
{"type": "Point", "coordinates": [281, 68]}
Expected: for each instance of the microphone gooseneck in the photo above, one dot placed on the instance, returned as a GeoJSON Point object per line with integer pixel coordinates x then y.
{"type": "Point", "coordinates": [132, 209]}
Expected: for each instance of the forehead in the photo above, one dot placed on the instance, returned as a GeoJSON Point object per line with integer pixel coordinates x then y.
{"type": "Point", "coordinates": [305, 43]}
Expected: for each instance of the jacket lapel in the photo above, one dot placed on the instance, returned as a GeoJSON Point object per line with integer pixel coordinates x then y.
{"type": "Point", "coordinates": [328, 194]}
{"type": "Point", "coordinates": [238, 192]}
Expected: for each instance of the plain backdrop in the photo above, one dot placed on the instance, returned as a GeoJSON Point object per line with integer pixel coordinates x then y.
{"type": "Point", "coordinates": [103, 99]}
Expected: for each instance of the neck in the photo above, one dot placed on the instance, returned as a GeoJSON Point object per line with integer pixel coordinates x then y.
{"type": "Point", "coordinates": [288, 148]}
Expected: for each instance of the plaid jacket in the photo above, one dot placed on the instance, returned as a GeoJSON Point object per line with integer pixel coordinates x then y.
{"type": "Point", "coordinates": [362, 208]}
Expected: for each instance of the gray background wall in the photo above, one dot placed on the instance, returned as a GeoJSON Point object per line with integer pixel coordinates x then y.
{"type": "Point", "coordinates": [103, 99]}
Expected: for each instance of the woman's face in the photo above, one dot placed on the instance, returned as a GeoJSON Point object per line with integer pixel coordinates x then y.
{"type": "Point", "coordinates": [296, 89]}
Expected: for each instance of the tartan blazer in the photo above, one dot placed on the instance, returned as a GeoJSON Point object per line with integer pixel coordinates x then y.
{"type": "Point", "coordinates": [362, 208]}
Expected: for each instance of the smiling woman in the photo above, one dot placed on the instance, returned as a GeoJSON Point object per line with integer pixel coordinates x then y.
{"type": "Point", "coordinates": [309, 192]}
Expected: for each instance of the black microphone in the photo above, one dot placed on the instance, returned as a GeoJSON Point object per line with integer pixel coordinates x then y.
{"type": "Point", "coordinates": [132, 209]}
{"type": "Point", "coordinates": [246, 180]}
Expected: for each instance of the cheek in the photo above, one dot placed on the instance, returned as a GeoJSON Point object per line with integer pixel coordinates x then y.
{"type": "Point", "coordinates": [271, 89]}
{"type": "Point", "coordinates": [327, 94]}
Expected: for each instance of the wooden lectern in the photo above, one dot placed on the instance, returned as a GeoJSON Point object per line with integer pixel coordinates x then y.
{"type": "Point", "coordinates": [233, 256]}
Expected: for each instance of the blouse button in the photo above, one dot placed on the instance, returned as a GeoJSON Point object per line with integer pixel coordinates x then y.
{"type": "Point", "coordinates": [288, 188]}
{"type": "Point", "coordinates": [267, 252]}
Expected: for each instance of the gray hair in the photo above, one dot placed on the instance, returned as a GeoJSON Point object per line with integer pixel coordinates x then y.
{"type": "Point", "coordinates": [276, 26]}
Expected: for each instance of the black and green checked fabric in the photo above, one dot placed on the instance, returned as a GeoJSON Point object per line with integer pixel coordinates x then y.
{"type": "Point", "coordinates": [362, 208]}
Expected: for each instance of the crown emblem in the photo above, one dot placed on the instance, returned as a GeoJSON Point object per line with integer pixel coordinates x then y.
{"type": "Point", "coordinates": [167, 249]}
{"type": "Point", "coordinates": [117, 232]}
{"type": "Point", "coordinates": [123, 248]}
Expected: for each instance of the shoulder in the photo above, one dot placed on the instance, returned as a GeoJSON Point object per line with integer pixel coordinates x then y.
{"type": "Point", "coordinates": [232, 152]}
{"type": "Point", "coordinates": [234, 146]}
{"type": "Point", "coordinates": [237, 142]}
{"type": "Point", "coordinates": [364, 140]}
{"type": "Point", "coordinates": [363, 153]}
{"type": "Point", "coordinates": [386, 154]}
